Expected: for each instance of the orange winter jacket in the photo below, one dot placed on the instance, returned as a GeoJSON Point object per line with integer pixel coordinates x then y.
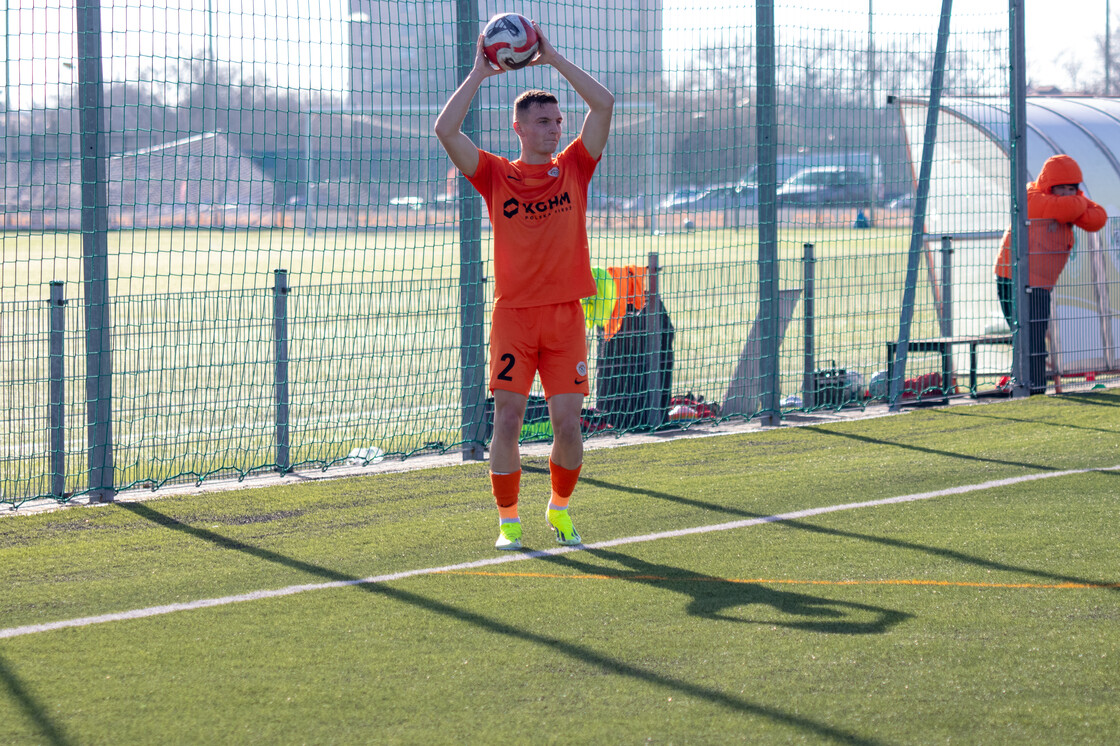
{"type": "Point", "coordinates": [1051, 222]}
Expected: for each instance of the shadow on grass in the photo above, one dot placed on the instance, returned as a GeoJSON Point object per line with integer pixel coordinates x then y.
{"type": "Point", "coordinates": [713, 598]}
{"type": "Point", "coordinates": [1099, 400]}
{"type": "Point", "coordinates": [973, 413]}
{"type": "Point", "coordinates": [806, 526]}
{"type": "Point", "coordinates": [35, 711]}
{"type": "Point", "coordinates": [931, 451]}
{"type": "Point", "coordinates": [569, 648]}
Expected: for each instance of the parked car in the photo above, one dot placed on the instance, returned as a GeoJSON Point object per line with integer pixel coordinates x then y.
{"type": "Point", "coordinates": [826, 185]}
{"type": "Point", "coordinates": [720, 197]}
{"type": "Point", "coordinates": [680, 198]}
{"type": "Point", "coordinates": [410, 203]}
{"type": "Point", "coordinates": [725, 197]}
{"type": "Point", "coordinates": [903, 202]}
{"type": "Point", "coordinates": [632, 204]}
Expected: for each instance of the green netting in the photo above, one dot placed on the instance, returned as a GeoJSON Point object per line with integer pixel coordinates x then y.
{"type": "Point", "coordinates": [241, 142]}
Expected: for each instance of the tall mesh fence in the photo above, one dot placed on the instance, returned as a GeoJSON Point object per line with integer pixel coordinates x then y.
{"type": "Point", "coordinates": [284, 245]}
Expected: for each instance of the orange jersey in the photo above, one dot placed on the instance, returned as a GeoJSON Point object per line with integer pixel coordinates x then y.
{"type": "Point", "coordinates": [539, 217]}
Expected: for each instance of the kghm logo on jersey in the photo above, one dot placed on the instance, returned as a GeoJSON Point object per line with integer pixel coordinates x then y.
{"type": "Point", "coordinates": [537, 210]}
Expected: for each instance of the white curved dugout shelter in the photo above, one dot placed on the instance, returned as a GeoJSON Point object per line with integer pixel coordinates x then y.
{"type": "Point", "coordinates": [970, 201]}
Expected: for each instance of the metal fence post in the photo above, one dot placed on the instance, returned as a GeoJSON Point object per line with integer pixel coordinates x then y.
{"type": "Point", "coordinates": [472, 282]}
{"type": "Point", "coordinates": [1020, 247]}
{"type": "Point", "coordinates": [57, 372]}
{"type": "Point", "coordinates": [280, 341]}
{"type": "Point", "coordinates": [655, 417]}
{"type": "Point", "coordinates": [95, 252]}
{"type": "Point", "coordinates": [808, 380]}
{"type": "Point", "coordinates": [918, 219]}
{"type": "Point", "coordinates": [946, 288]}
{"type": "Point", "coordinates": [768, 301]}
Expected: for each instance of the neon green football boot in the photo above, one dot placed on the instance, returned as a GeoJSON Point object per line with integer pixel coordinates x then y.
{"type": "Point", "coordinates": [509, 536]}
{"type": "Point", "coordinates": [561, 523]}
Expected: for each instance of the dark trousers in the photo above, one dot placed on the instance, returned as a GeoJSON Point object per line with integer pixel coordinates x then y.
{"type": "Point", "coordinates": [1039, 312]}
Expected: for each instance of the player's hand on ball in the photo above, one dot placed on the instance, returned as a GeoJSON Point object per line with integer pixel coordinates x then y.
{"type": "Point", "coordinates": [546, 53]}
{"type": "Point", "coordinates": [482, 63]}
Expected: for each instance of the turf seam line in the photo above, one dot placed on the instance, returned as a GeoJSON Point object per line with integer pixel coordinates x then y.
{"type": "Point", "coordinates": [291, 590]}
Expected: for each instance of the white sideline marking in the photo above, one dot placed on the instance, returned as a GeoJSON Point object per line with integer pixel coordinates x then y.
{"type": "Point", "coordinates": [521, 556]}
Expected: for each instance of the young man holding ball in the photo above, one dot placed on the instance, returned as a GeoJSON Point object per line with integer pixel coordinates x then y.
{"type": "Point", "coordinates": [542, 268]}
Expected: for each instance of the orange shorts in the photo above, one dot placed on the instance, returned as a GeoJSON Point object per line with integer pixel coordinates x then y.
{"type": "Point", "coordinates": [549, 340]}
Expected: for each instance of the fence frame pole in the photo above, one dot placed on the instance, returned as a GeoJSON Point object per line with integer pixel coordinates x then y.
{"type": "Point", "coordinates": [57, 373]}
{"type": "Point", "coordinates": [472, 282]}
{"type": "Point", "coordinates": [95, 252]}
{"type": "Point", "coordinates": [946, 318]}
{"type": "Point", "coordinates": [1020, 248]}
{"type": "Point", "coordinates": [280, 342]}
{"type": "Point", "coordinates": [655, 416]}
{"type": "Point", "coordinates": [917, 228]}
{"type": "Point", "coordinates": [808, 379]}
{"type": "Point", "coordinates": [768, 302]}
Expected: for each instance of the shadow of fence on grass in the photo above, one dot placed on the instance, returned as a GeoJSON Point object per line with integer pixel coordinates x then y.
{"type": "Point", "coordinates": [1088, 397]}
{"type": "Point", "coordinates": [47, 729]}
{"type": "Point", "coordinates": [932, 451]}
{"type": "Point", "coordinates": [976, 413]}
{"type": "Point", "coordinates": [569, 648]}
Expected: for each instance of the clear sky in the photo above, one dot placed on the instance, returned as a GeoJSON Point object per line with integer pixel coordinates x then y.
{"type": "Point", "coordinates": [1064, 32]}
{"type": "Point", "coordinates": [299, 42]}
{"type": "Point", "coordinates": [1061, 35]}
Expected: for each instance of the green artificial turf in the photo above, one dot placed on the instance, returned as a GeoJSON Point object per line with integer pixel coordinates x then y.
{"type": "Point", "coordinates": [987, 616]}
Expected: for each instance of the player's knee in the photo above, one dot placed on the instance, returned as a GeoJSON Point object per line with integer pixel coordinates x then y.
{"type": "Point", "coordinates": [566, 430]}
{"type": "Point", "coordinates": [507, 419]}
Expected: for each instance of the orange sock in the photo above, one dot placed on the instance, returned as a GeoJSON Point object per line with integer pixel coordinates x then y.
{"type": "Point", "coordinates": [506, 488]}
{"type": "Point", "coordinates": [563, 484]}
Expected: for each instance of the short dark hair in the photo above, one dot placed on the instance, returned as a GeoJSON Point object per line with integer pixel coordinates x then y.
{"type": "Point", "coordinates": [528, 98]}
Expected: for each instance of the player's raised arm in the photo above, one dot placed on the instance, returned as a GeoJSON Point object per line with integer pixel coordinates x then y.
{"type": "Point", "coordinates": [600, 102]}
{"type": "Point", "coordinates": [449, 123]}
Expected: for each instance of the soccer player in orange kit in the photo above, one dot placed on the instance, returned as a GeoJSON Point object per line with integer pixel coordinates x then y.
{"type": "Point", "coordinates": [538, 209]}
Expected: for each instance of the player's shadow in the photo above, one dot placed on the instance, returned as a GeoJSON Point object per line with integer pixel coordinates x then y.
{"type": "Point", "coordinates": [739, 601]}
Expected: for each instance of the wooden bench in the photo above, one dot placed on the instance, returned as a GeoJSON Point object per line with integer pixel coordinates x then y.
{"type": "Point", "coordinates": [944, 346]}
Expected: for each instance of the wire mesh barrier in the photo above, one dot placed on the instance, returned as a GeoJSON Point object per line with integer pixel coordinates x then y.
{"type": "Point", "coordinates": [238, 247]}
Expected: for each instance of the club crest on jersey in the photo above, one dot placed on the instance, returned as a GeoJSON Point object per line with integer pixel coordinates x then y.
{"type": "Point", "coordinates": [554, 171]}
{"type": "Point", "coordinates": [581, 368]}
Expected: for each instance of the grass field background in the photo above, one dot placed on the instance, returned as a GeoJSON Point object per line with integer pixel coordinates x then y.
{"type": "Point", "coordinates": [987, 616]}
{"type": "Point", "coordinates": [374, 338]}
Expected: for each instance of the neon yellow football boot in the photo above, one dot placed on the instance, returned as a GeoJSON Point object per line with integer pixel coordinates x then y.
{"type": "Point", "coordinates": [509, 536]}
{"type": "Point", "coordinates": [561, 523]}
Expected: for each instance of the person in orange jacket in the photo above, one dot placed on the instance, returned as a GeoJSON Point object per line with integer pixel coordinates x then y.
{"type": "Point", "coordinates": [1055, 204]}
